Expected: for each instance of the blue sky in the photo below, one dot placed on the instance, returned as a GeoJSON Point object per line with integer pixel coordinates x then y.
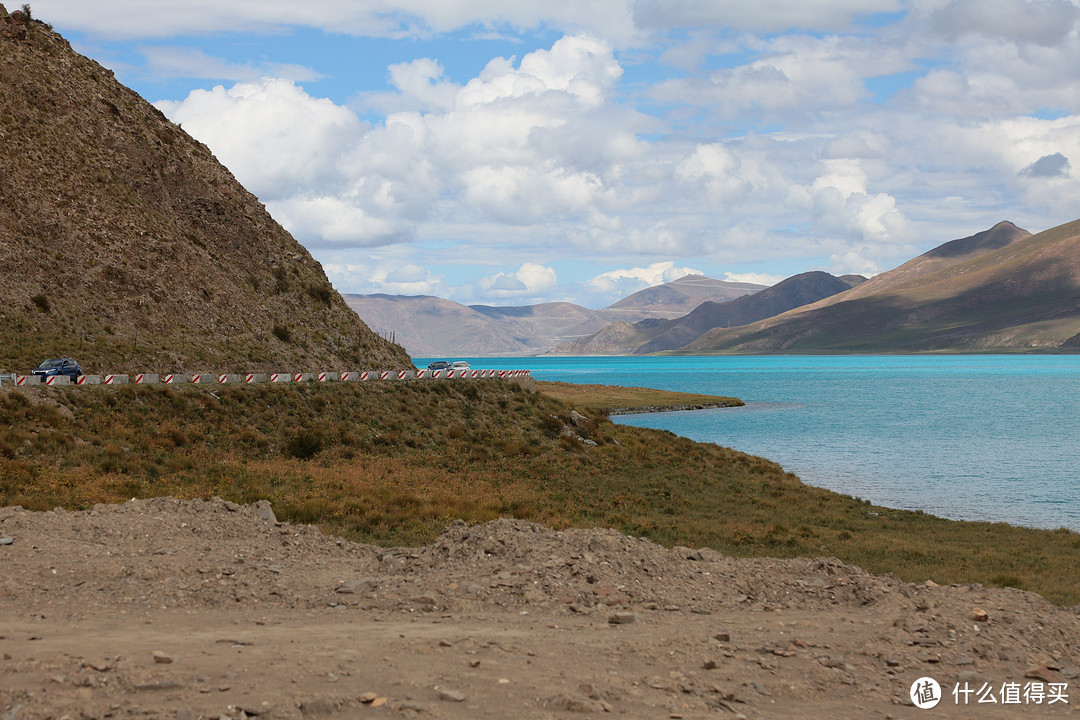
{"type": "Point", "coordinates": [520, 151]}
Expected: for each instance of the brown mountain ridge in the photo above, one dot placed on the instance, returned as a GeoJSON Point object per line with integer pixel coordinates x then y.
{"type": "Point", "coordinates": [126, 244]}
{"type": "Point", "coordinates": [1001, 290]}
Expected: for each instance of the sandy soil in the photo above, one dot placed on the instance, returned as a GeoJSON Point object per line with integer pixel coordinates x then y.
{"type": "Point", "coordinates": [187, 610]}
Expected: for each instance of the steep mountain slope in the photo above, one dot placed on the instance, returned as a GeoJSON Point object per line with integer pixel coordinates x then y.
{"type": "Point", "coordinates": [128, 246]}
{"type": "Point", "coordinates": [791, 293]}
{"type": "Point", "coordinates": [429, 326]}
{"type": "Point", "coordinates": [657, 335]}
{"type": "Point", "coordinates": [1001, 290]}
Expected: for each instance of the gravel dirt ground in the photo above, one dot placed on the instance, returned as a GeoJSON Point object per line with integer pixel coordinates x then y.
{"type": "Point", "coordinates": [207, 609]}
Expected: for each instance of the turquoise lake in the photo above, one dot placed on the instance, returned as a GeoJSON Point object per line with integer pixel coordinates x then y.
{"type": "Point", "coordinates": [968, 437]}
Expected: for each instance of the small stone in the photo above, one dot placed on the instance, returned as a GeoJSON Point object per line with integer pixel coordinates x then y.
{"type": "Point", "coordinates": [961, 662]}
{"type": "Point", "coordinates": [6, 540]}
{"type": "Point", "coordinates": [834, 661]}
{"type": "Point", "coordinates": [368, 697]}
{"type": "Point", "coordinates": [570, 703]}
{"type": "Point", "coordinates": [264, 511]}
{"type": "Point", "coordinates": [892, 662]}
{"type": "Point", "coordinates": [254, 710]}
{"type": "Point", "coordinates": [161, 658]}
{"type": "Point", "coordinates": [1039, 672]}
{"type": "Point", "coordinates": [452, 695]}
{"type": "Point", "coordinates": [931, 584]}
{"type": "Point", "coordinates": [622, 618]}
{"type": "Point", "coordinates": [474, 663]}
{"type": "Point", "coordinates": [379, 702]}
{"type": "Point", "coordinates": [967, 676]}
{"type": "Point", "coordinates": [709, 664]}
{"type": "Point", "coordinates": [357, 586]}
{"type": "Point", "coordinates": [445, 643]}
{"type": "Point", "coordinates": [979, 615]}
{"type": "Point", "coordinates": [722, 637]}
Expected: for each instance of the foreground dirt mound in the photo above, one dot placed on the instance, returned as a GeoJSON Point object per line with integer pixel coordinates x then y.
{"type": "Point", "coordinates": [189, 609]}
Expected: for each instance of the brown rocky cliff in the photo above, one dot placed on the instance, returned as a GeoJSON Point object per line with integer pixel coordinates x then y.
{"type": "Point", "coordinates": [126, 244]}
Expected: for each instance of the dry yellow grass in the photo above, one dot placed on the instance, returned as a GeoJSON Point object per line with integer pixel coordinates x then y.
{"type": "Point", "coordinates": [616, 398]}
{"type": "Point", "coordinates": [393, 463]}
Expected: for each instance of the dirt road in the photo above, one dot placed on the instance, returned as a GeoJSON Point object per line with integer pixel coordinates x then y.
{"type": "Point", "coordinates": [187, 610]}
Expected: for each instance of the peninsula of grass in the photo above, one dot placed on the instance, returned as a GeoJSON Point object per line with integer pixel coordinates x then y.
{"type": "Point", "coordinates": [394, 463]}
{"type": "Point", "coordinates": [619, 400]}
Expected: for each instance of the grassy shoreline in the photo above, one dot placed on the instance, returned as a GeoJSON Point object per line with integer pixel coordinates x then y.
{"type": "Point", "coordinates": [620, 400]}
{"type": "Point", "coordinates": [394, 463]}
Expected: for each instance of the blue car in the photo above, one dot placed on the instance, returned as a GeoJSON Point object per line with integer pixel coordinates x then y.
{"type": "Point", "coordinates": [58, 366]}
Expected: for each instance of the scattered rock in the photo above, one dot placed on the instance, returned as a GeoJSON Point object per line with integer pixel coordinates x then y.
{"type": "Point", "coordinates": [6, 540]}
{"type": "Point", "coordinates": [622, 618]}
{"type": "Point", "coordinates": [980, 615]}
{"type": "Point", "coordinates": [1039, 672]}
{"type": "Point", "coordinates": [264, 511]}
{"type": "Point", "coordinates": [570, 703]}
{"type": "Point", "coordinates": [451, 695]}
{"type": "Point", "coordinates": [161, 658]}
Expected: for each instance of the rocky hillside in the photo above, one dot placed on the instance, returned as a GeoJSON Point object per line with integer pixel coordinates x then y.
{"type": "Point", "coordinates": [1003, 289]}
{"type": "Point", "coordinates": [127, 245]}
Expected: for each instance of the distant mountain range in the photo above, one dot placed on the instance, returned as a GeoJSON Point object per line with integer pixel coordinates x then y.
{"type": "Point", "coordinates": [429, 326]}
{"type": "Point", "coordinates": [657, 335]}
{"type": "Point", "coordinates": [1001, 290]}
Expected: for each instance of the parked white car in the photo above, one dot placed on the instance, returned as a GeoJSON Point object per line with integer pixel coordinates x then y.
{"type": "Point", "coordinates": [460, 365]}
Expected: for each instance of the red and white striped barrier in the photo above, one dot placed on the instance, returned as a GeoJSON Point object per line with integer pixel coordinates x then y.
{"type": "Point", "coordinates": [170, 379]}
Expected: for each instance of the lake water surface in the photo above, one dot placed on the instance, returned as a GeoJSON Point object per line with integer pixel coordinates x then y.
{"type": "Point", "coordinates": [967, 437]}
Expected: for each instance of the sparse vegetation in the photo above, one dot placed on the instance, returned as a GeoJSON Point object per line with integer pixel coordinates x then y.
{"type": "Point", "coordinates": [395, 463]}
{"type": "Point", "coordinates": [41, 302]}
{"type": "Point", "coordinates": [282, 333]}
